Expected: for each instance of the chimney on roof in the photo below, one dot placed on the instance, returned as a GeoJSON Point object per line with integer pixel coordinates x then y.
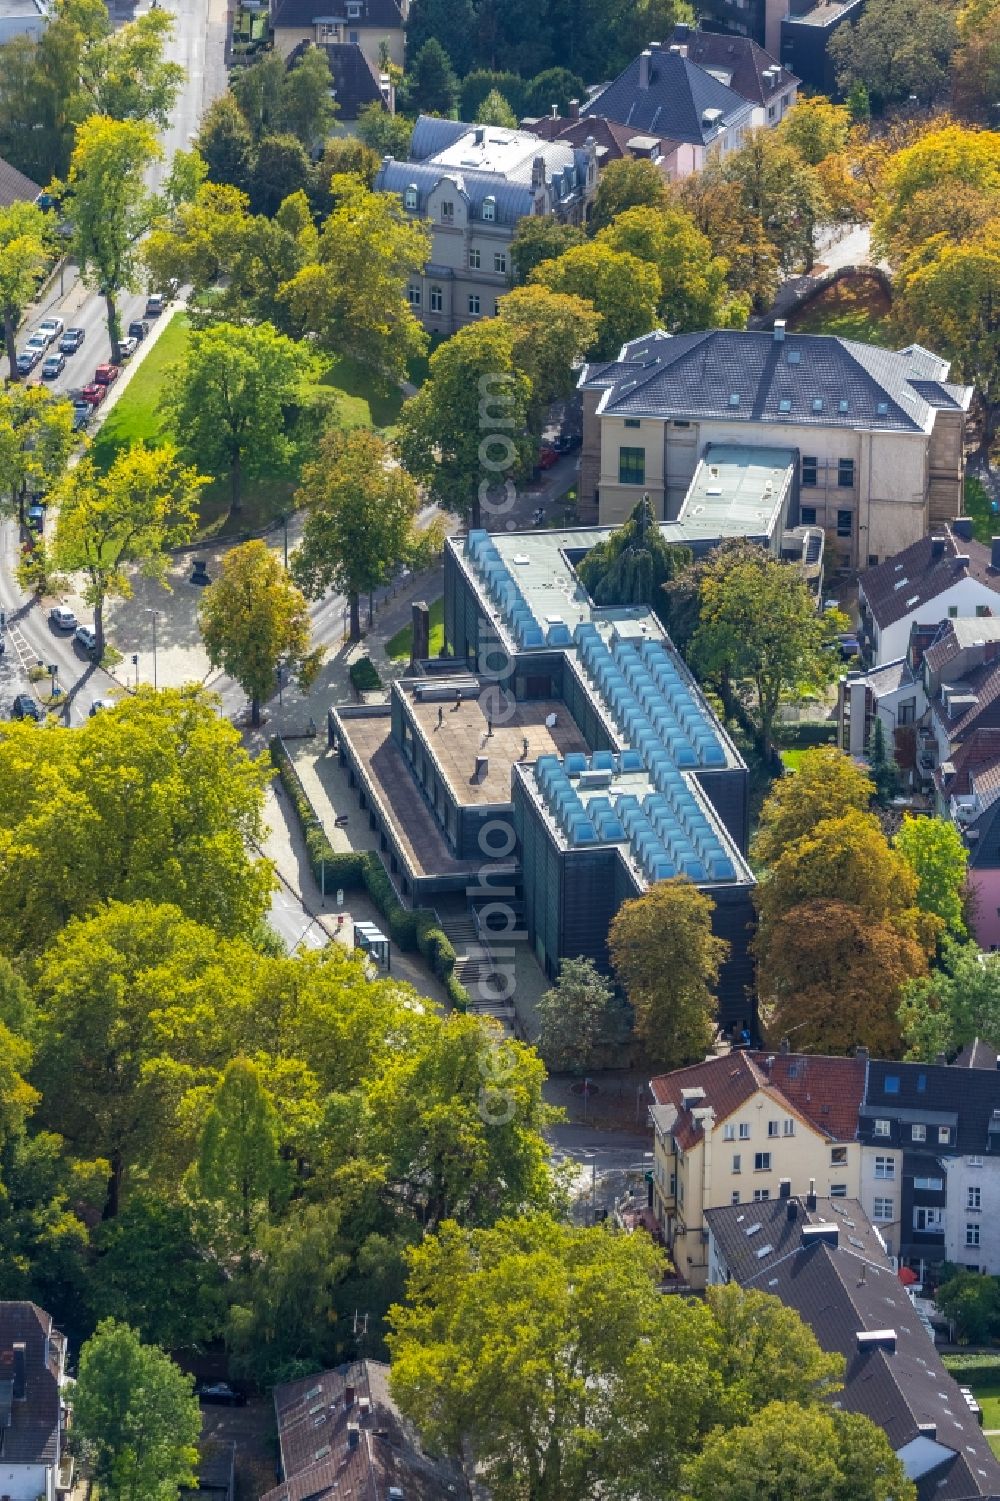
{"type": "Point", "coordinates": [937, 546]}
{"type": "Point", "coordinates": [962, 527]}
{"type": "Point", "coordinates": [792, 1210]}
{"type": "Point", "coordinates": [555, 111]}
{"type": "Point", "coordinates": [784, 1188]}
{"type": "Point", "coordinates": [645, 58]}
{"type": "Point", "coordinates": [811, 1195]}
{"type": "Point", "coordinates": [348, 1396]}
{"type": "Point", "coordinates": [942, 1059]}
{"type": "Point", "coordinates": [784, 1047]}
{"type": "Point", "coordinates": [482, 768]}
{"type": "Point", "coordinates": [353, 1435]}
{"type": "Point", "coordinates": [877, 1339]}
{"type": "Point", "coordinates": [574, 109]}
{"type": "Point", "coordinates": [538, 172]}
{"type": "Point", "coordinates": [779, 330]}
{"type": "Point", "coordinates": [861, 1052]}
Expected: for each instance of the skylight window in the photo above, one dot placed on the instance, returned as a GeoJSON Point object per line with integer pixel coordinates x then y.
{"type": "Point", "coordinates": [882, 408]}
{"type": "Point", "coordinates": [322, 1453]}
{"type": "Point", "coordinates": [795, 357]}
{"type": "Point", "coordinates": [763, 1251]}
{"type": "Point", "coordinates": [841, 406]}
{"type": "Point", "coordinates": [734, 399]}
{"type": "Point", "coordinates": [817, 403]}
{"type": "Point", "coordinates": [752, 1229]}
{"type": "Point", "coordinates": [785, 405]}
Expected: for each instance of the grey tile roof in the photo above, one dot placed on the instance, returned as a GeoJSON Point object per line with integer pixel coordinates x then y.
{"type": "Point", "coordinates": [917, 575]}
{"type": "Point", "coordinates": [675, 102]}
{"type": "Point", "coordinates": [977, 1054]}
{"type": "Point", "coordinates": [15, 187]}
{"type": "Point", "coordinates": [33, 1435]}
{"type": "Point", "coordinates": [843, 1289]}
{"type": "Point", "coordinates": [826, 381]}
{"type": "Point", "coordinates": [301, 14]}
{"type": "Point", "coordinates": [740, 57]}
{"type": "Point", "coordinates": [971, 1096]}
{"type": "Point", "coordinates": [355, 82]}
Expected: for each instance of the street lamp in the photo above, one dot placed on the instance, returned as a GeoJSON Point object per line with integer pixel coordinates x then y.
{"type": "Point", "coordinates": [283, 518]}
{"type": "Point", "coordinates": [156, 615]}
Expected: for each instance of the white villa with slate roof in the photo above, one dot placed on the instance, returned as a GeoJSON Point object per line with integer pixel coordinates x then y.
{"type": "Point", "coordinates": [473, 183]}
{"type": "Point", "coordinates": [875, 435]}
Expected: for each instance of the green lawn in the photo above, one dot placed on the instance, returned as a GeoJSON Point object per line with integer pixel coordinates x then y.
{"type": "Point", "coordinates": [138, 418]}
{"type": "Point", "coordinates": [854, 309]}
{"type": "Point", "coordinates": [398, 646]}
{"type": "Point", "coordinates": [988, 1398]}
{"type": "Point", "coordinates": [977, 505]}
{"type": "Point", "coordinates": [792, 759]}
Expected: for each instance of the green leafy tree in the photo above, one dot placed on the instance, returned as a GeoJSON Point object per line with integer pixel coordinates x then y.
{"type": "Point", "coordinates": [495, 110]}
{"type": "Point", "coordinates": [226, 144]}
{"type": "Point", "coordinates": [360, 513]}
{"type": "Point", "coordinates": [156, 800]}
{"type": "Point", "coordinates": [972, 1303]}
{"type": "Point", "coordinates": [553, 87]}
{"type": "Point", "coordinates": [790, 1453]}
{"type": "Point", "coordinates": [667, 958]}
{"type": "Point", "coordinates": [884, 771]}
{"type": "Point", "coordinates": [694, 292]}
{"type": "Point", "coordinates": [135, 1416]}
{"type": "Point", "coordinates": [734, 231]}
{"type": "Point", "coordinates": [128, 516]}
{"type": "Point", "coordinates": [253, 618]}
{"type": "Point", "coordinates": [123, 73]}
{"type": "Point", "coordinates": [452, 23]}
{"type": "Point", "coordinates": [623, 289]}
{"type": "Point", "coordinates": [36, 85]}
{"type": "Point", "coordinates": [385, 134]}
{"type": "Point", "coordinates": [36, 440]}
{"type": "Point", "coordinates": [233, 400]}
{"type": "Point", "coordinates": [783, 191]}
{"type": "Point", "coordinates": [953, 1005]}
{"type": "Point", "coordinates": [353, 295]}
{"type": "Point", "coordinates": [441, 437]}
{"type": "Point", "coordinates": [307, 108]}
{"type": "Point", "coordinates": [431, 85]}
{"type": "Point", "coordinates": [759, 633]}
{"type": "Point", "coordinates": [24, 236]}
{"type": "Point", "coordinates": [815, 128]}
{"type": "Point", "coordinates": [551, 332]}
{"type": "Point", "coordinates": [344, 156]}
{"type": "Point", "coordinates": [110, 206]}
{"type": "Point", "coordinates": [975, 64]}
{"type": "Point", "coordinates": [575, 1016]}
{"type": "Point", "coordinates": [827, 784]}
{"type": "Point", "coordinates": [933, 848]}
{"type": "Point", "coordinates": [258, 91]}
{"type": "Point", "coordinates": [541, 238]}
{"type": "Point", "coordinates": [479, 84]}
{"type": "Point", "coordinates": [280, 168]}
{"type": "Point", "coordinates": [896, 49]}
{"type": "Point", "coordinates": [628, 183]}
{"type": "Point", "coordinates": [635, 564]}
{"type": "Point", "coordinates": [239, 1164]}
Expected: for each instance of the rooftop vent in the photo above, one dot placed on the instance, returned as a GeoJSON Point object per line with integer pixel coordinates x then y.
{"type": "Point", "coordinates": [711, 116]}
{"type": "Point", "coordinates": [877, 1339]}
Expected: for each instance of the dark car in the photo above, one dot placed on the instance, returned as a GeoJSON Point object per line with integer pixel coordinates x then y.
{"type": "Point", "coordinates": [36, 518]}
{"type": "Point", "coordinates": [566, 442]}
{"type": "Point", "coordinates": [106, 375]}
{"type": "Point", "coordinates": [221, 1395]}
{"type": "Point", "coordinates": [26, 707]}
{"type": "Point", "coordinates": [27, 360]}
{"type": "Point", "coordinates": [72, 340]}
{"type": "Point", "coordinates": [138, 329]}
{"type": "Point", "coordinates": [53, 366]}
{"type": "Point", "coordinates": [81, 414]}
{"type": "Point", "coordinates": [154, 304]}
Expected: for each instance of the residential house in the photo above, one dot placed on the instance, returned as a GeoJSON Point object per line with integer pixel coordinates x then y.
{"type": "Point", "coordinates": [33, 1459]}
{"type": "Point", "coordinates": [15, 187]}
{"type": "Point", "coordinates": [376, 26]}
{"type": "Point", "coordinates": [968, 792]}
{"type": "Point", "coordinates": [22, 18]}
{"type": "Point", "coordinates": [341, 1434]}
{"type": "Point", "coordinates": [796, 31]}
{"type": "Point", "coordinates": [614, 142]}
{"type": "Point", "coordinates": [356, 81]}
{"type": "Point", "coordinates": [743, 66]}
{"type": "Point", "coordinates": [946, 575]}
{"type": "Point", "coordinates": [663, 93]}
{"type": "Point", "coordinates": [875, 435]}
{"type": "Point", "coordinates": [823, 1258]}
{"type": "Point", "coordinates": [473, 183]}
{"type": "Point", "coordinates": [747, 1128]}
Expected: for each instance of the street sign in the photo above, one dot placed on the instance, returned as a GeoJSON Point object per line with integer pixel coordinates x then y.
{"type": "Point", "coordinates": [340, 896]}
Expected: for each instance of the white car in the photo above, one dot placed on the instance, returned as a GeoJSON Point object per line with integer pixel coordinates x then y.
{"type": "Point", "coordinates": [127, 347]}
{"type": "Point", "coordinates": [101, 703]}
{"type": "Point", "coordinates": [52, 328]}
{"type": "Point", "coordinates": [38, 342]}
{"type": "Point", "coordinates": [62, 618]}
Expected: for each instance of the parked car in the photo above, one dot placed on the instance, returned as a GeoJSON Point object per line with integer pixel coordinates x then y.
{"type": "Point", "coordinates": [63, 618]}
{"type": "Point", "coordinates": [81, 414]}
{"type": "Point", "coordinates": [85, 637]}
{"type": "Point", "coordinates": [27, 360]}
{"type": "Point", "coordinates": [51, 328]}
{"type": "Point", "coordinates": [36, 517]}
{"type": "Point", "coordinates": [106, 375]}
{"type": "Point", "coordinates": [849, 646]}
{"type": "Point", "coordinates": [38, 341]}
{"type": "Point", "coordinates": [54, 366]}
{"type": "Point", "coordinates": [138, 329]}
{"type": "Point", "coordinates": [154, 304]}
{"type": "Point", "coordinates": [127, 347]}
{"type": "Point", "coordinates": [547, 456]}
{"type": "Point", "coordinates": [26, 707]}
{"type": "Point", "coordinates": [221, 1395]}
{"type": "Point", "coordinates": [94, 394]}
{"type": "Point", "coordinates": [72, 340]}
{"type": "Point", "coordinates": [99, 704]}
{"type": "Point", "coordinates": [566, 442]}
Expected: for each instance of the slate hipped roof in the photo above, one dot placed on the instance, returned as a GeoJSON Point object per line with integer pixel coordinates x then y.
{"type": "Point", "coordinates": [301, 14]}
{"type": "Point", "coordinates": [918, 574]}
{"type": "Point", "coordinates": [32, 1437]}
{"type": "Point", "coordinates": [841, 1290]}
{"type": "Point", "coordinates": [341, 1434]}
{"type": "Point", "coordinates": [674, 101]}
{"type": "Point", "coordinates": [752, 376]}
{"type": "Point", "coordinates": [15, 187]}
{"type": "Point", "coordinates": [740, 58]}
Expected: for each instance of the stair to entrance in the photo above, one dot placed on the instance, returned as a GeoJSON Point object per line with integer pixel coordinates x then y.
{"type": "Point", "coordinates": [473, 969]}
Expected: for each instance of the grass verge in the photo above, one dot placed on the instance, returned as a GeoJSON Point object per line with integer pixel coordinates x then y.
{"type": "Point", "coordinates": [854, 308]}
{"type": "Point", "coordinates": [399, 646]}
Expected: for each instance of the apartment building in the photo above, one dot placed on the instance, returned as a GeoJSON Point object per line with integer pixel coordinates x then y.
{"type": "Point", "coordinates": [876, 435]}
{"type": "Point", "coordinates": [473, 184]}
{"type": "Point", "coordinates": [944, 575]}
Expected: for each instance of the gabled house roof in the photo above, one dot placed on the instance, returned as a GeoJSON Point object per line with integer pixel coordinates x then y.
{"type": "Point", "coordinates": [823, 1092]}
{"type": "Point", "coordinates": [911, 1092]}
{"type": "Point", "coordinates": [29, 1385]}
{"type": "Point", "coordinates": [842, 1284]}
{"type": "Point", "coordinates": [614, 141]}
{"type": "Point", "coordinates": [752, 376]}
{"type": "Point", "coordinates": [964, 633]}
{"type": "Point", "coordinates": [920, 573]}
{"type": "Point", "coordinates": [736, 61]}
{"type": "Point", "coordinates": [341, 1434]}
{"type": "Point", "coordinates": [679, 99]}
{"type": "Point", "coordinates": [973, 766]}
{"type": "Point", "coordinates": [355, 81]}
{"type": "Point", "coordinates": [15, 187]}
{"type": "Point", "coordinates": [977, 1054]}
{"type": "Point", "coordinates": [299, 15]}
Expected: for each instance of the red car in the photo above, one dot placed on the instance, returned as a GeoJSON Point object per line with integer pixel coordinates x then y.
{"type": "Point", "coordinates": [106, 375]}
{"type": "Point", "coordinates": [94, 394]}
{"type": "Point", "coordinates": [547, 456]}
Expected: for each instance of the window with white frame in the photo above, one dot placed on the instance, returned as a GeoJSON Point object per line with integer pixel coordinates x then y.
{"type": "Point", "coordinates": [885, 1167]}
{"type": "Point", "coordinates": [475, 260]}
{"type": "Point", "coordinates": [918, 1133]}
{"type": "Point", "coordinates": [410, 197]}
{"type": "Point", "coordinates": [974, 1197]}
{"type": "Point", "coordinates": [413, 295]}
{"type": "Point", "coordinates": [500, 262]}
{"type": "Point", "coordinates": [729, 1133]}
{"type": "Point", "coordinates": [736, 1163]}
{"type": "Point", "coordinates": [933, 1185]}
{"type": "Point", "coordinates": [474, 304]}
{"type": "Point", "coordinates": [788, 1127]}
{"type": "Point", "coordinates": [838, 1190]}
{"type": "Point", "coordinates": [944, 1136]}
{"type": "Point", "coordinates": [882, 1210]}
{"type": "Point", "coordinates": [972, 1233]}
{"type": "Point", "coordinates": [447, 211]}
{"type": "Point", "coordinates": [974, 1161]}
{"type": "Point", "coordinates": [838, 1156]}
{"type": "Point", "coordinates": [761, 1195]}
{"type": "Point", "coordinates": [883, 1128]}
{"type": "Point", "coordinates": [489, 209]}
{"type": "Point", "coordinates": [744, 1131]}
{"type": "Point", "coordinates": [773, 1128]}
{"type": "Point", "coordinates": [437, 300]}
{"type": "Point", "coordinates": [762, 1162]}
{"type": "Point", "coordinates": [927, 1219]}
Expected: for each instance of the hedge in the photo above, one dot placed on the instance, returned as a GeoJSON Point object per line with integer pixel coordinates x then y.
{"type": "Point", "coordinates": [806, 733]}
{"type": "Point", "coordinates": [974, 1369]}
{"type": "Point", "coordinates": [353, 870]}
{"type": "Point", "coordinates": [364, 676]}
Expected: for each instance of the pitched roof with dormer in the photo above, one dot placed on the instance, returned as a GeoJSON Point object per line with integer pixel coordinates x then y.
{"type": "Point", "coordinates": [736, 61]}
{"type": "Point", "coordinates": [920, 573]}
{"type": "Point", "coordinates": [299, 15]}
{"type": "Point", "coordinates": [678, 99]}
{"type": "Point", "coordinates": [29, 1431]}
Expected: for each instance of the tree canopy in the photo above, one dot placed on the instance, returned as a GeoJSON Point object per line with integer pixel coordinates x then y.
{"type": "Point", "coordinates": [635, 564]}
{"type": "Point", "coordinates": [826, 784]}
{"type": "Point", "coordinates": [623, 289]}
{"type": "Point", "coordinates": [953, 1005]}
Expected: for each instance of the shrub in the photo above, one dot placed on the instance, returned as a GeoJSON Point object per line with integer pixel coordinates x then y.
{"type": "Point", "coordinates": [364, 677]}
{"type": "Point", "coordinates": [974, 1370]}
